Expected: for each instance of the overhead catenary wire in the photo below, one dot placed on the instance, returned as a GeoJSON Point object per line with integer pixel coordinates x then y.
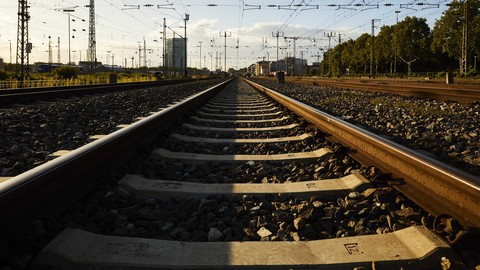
{"type": "Point", "coordinates": [118, 31]}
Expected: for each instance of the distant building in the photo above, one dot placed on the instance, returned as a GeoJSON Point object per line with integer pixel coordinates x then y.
{"type": "Point", "coordinates": [175, 57]}
{"type": "Point", "coordinates": [277, 66]}
{"type": "Point", "coordinates": [296, 66]}
{"type": "Point", "coordinates": [251, 69]}
{"type": "Point", "coordinates": [45, 67]}
{"type": "Point", "coordinates": [262, 68]}
{"type": "Point", "coordinates": [87, 65]}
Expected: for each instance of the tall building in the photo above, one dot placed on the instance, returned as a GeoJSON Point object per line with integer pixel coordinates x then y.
{"type": "Point", "coordinates": [175, 57]}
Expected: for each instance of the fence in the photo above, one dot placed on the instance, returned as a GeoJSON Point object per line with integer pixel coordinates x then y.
{"type": "Point", "coordinates": [14, 84]}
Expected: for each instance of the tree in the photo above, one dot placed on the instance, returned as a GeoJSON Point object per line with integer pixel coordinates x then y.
{"type": "Point", "coordinates": [385, 48]}
{"type": "Point", "coordinates": [346, 59]}
{"type": "Point", "coordinates": [361, 53]}
{"type": "Point", "coordinates": [414, 40]}
{"type": "Point", "coordinates": [448, 30]}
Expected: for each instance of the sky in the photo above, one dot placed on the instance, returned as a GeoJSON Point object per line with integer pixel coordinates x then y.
{"type": "Point", "coordinates": [250, 26]}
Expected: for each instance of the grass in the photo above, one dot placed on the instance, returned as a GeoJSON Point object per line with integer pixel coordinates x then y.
{"type": "Point", "coordinates": [50, 80]}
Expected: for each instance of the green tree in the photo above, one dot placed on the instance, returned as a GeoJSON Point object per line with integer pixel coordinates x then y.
{"type": "Point", "coordinates": [361, 53]}
{"type": "Point", "coordinates": [385, 49]}
{"type": "Point", "coordinates": [346, 59]}
{"type": "Point", "coordinates": [448, 30]}
{"type": "Point", "coordinates": [4, 75]}
{"type": "Point", "coordinates": [414, 41]}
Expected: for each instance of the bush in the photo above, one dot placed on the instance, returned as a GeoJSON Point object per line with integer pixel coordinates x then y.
{"type": "Point", "coordinates": [472, 73]}
{"type": "Point", "coordinates": [66, 72]}
{"type": "Point", "coordinates": [4, 75]}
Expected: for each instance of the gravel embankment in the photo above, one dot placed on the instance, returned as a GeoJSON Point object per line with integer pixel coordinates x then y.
{"type": "Point", "coordinates": [33, 131]}
{"type": "Point", "coordinates": [278, 217]}
{"type": "Point", "coordinates": [448, 131]}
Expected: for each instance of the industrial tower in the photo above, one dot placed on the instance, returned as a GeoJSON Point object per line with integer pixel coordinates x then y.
{"type": "Point", "coordinates": [92, 51]}
{"type": "Point", "coordinates": [24, 48]}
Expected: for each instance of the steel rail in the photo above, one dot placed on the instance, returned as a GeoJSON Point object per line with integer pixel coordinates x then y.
{"type": "Point", "coordinates": [460, 93]}
{"type": "Point", "coordinates": [33, 94]}
{"type": "Point", "coordinates": [435, 186]}
{"type": "Point", "coordinates": [50, 188]}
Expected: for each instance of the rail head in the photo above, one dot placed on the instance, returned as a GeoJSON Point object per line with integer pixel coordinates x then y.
{"type": "Point", "coordinates": [437, 187]}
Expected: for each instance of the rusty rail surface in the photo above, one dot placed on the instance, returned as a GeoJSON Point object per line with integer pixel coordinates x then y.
{"type": "Point", "coordinates": [463, 93]}
{"type": "Point", "coordinates": [435, 186]}
{"type": "Point", "coordinates": [33, 94]}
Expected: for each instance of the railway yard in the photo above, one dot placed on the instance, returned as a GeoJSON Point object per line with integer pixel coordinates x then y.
{"type": "Point", "coordinates": [239, 173]}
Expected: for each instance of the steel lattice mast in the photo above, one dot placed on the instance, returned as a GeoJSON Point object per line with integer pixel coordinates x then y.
{"type": "Point", "coordinates": [92, 51]}
{"type": "Point", "coordinates": [23, 46]}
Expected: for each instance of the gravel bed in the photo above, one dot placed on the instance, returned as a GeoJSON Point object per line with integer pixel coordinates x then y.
{"type": "Point", "coordinates": [31, 132]}
{"type": "Point", "coordinates": [307, 145]}
{"type": "Point", "coordinates": [279, 217]}
{"type": "Point", "coordinates": [296, 131]}
{"type": "Point", "coordinates": [284, 122]}
{"type": "Point", "coordinates": [448, 131]}
{"type": "Point", "coordinates": [335, 165]}
{"type": "Point", "coordinates": [252, 117]}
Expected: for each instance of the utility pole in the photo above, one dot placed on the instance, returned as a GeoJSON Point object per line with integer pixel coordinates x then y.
{"type": "Point", "coordinates": [10, 52]}
{"type": "Point", "coordinates": [185, 72]}
{"type": "Point", "coordinates": [372, 47]}
{"type": "Point", "coordinates": [294, 53]}
{"type": "Point", "coordinates": [50, 58]}
{"type": "Point", "coordinates": [173, 54]}
{"type": "Point", "coordinates": [339, 64]}
{"type": "Point", "coordinates": [301, 62]}
{"type": "Point", "coordinates": [92, 47]}
{"type": "Point", "coordinates": [144, 52]}
{"type": "Point", "coordinates": [69, 35]}
{"type": "Point", "coordinates": [277, 35]}
{"type": "Point", "coordinates": [200, 64]}
{"type": "Point", "coordinates": [318, 55]}
{"type": "Point", "coordinates": [464, 60]}
{"type": "Point", "coordinates": [139, 55]}
{"type": "Point", "coordinates": [24, 48]}
{"type": "Point", "coordinates": [237, 47]}
{"type": "Point", "coordinates": [211, 61]}
{"type": "Point", "coordinates": [329, 36]}
{"type": "Point", "coordinates": [225, 35]}
{"type": "Point", "coordinates": [58, 51]}
{"type": "Point", "coordinates": [396, 47]}
{"type": "Point", "coordinates": [164, 53]}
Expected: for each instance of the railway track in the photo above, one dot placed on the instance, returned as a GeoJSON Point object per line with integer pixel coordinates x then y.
{"type": "Point", "coordinates": [26, 95]}
{"type": "Point", "coordinates": [463, 93]}
{"type": "Point", "coordinates": [243, 182]}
